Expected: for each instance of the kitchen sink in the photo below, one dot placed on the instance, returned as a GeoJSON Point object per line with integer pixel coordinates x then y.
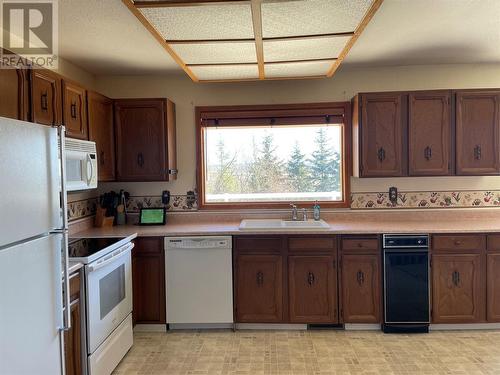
{"type": "Point", "coordinates": [278, 224]}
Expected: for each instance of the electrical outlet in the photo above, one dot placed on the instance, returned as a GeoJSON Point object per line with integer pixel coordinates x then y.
{"type": "Point", "coordinates": [393, 195]}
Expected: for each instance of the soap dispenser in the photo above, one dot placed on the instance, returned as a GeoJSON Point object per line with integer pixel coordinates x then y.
{"type": "Point", "coordinates": [316, 211]}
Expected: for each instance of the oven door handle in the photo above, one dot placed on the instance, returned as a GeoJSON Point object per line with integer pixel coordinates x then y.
{"type": "Point", "coordinates": [123, 251]}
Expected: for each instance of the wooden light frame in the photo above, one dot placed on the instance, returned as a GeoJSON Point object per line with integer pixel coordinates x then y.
{"type": "Point", "coordinates": [281, 111]}
{"type": "Point", "coordinates": [255, 5]}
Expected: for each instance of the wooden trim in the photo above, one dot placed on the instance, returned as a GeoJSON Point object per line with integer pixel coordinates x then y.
{"type": "Point", "coordinates": [182, 3]}
{"type": "Point", "coordinates": [130, 5]}
{"type": "Point", "coordinates": [366, 19]}
{"type": "Point", "coordinates": [346, 155]}
{"type": "Point", "coordinates": [257, 29]}
{"type": "Point", "coordinates": [257, 79]}
{"type": "Point", "coordinates": [250, 40]}
{"type": "Point", "coordinates": [266, 63]}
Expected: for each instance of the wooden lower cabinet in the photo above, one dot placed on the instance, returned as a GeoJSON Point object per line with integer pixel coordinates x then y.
{"type": "Point", "coordinates": [148, 281]}
{"type": "Point", "coordinates": [361, 285]}
{"type": "Point", "coordinates": [312, 283]}
{"type": "Point", "coordinates": [73, 337]}
{"type": "Point", "coordinates": [458, 287]}
{"type": "Point", "coordinates": [493, 287]}
{"type": "Point", "coordinates": [259, 288]}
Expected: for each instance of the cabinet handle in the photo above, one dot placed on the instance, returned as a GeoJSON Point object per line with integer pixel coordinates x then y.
{"type": "Point", "coordinates": [458, 243]}
{"type": "Point", "coordinates": [260, 278]}
{"type": "Point", "coordinates": [360, 277]}
{"type": "Point", "coordinates": [455, 277]}
{"type": "Point", "coordinates": [381, 154]}
{"type": "Point", "coordinates": [310, 278]}
{"type": "Point", "coordinates": [102, 158]}
{"type": "Point", "coordinates": [140, 159]}
{"type": "Point", "coordinates": [428, 153]}
{"type": "Point", "coordinates": [73, 110]}
{"type": "Point", "coordinates": [477, 152]}
{"type": "Point", "coordinates": [44, 101]}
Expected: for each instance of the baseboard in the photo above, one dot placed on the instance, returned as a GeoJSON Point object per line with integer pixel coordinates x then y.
{"type": "Point", "coordinates": [174, 326]}
{"type": "Point", "coordinates": [150, 328]}
{"type": "Point", "coordinates": [271, 326]}
{"type": "Point", "coordinates": [461, 327]}
{"type": "Point", "coordinates": [362, 327]}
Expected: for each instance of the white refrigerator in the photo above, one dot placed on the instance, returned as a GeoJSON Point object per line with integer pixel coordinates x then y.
{"type": "Point", "coordinates": [33, 249]}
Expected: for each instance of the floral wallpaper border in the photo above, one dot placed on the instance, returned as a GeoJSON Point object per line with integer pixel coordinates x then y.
{"type": "Point", "coordinates": [427, 199]}
{"type": "Point", "coordinates": [186, 202]}
{"type": "Point", "coordinates": [82, 208]}
{"type": "Point", "coordinates": [418, 199]}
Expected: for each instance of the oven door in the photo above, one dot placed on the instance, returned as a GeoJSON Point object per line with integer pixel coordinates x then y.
{"type": "Point", "coordinates": [109, 294]}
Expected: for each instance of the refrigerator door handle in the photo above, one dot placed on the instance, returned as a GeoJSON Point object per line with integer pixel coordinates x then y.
{"type": "Point", "coordinates": [65, 256]}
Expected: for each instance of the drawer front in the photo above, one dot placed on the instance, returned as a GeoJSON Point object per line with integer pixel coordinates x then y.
{"type": "Point", "coordinates": [360, 244]}
{"type": "Point", "coordinates": [258, 244]}
{"type": "Point", "coordinates": [312, 243]}
{"type": "Point", "coordinates": [494, 242]}
{"type": "Point", "coordinates": [148, 245]}
{"type": "Point", "coordinates": [458, 242]}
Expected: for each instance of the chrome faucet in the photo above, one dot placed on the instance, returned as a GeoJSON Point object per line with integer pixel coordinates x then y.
{"type": "Point", "coordinates": [304, 214]}
{"type": "Point", "coordinates": [294, 212]}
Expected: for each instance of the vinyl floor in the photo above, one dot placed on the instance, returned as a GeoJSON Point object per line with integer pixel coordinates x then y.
{"type": "Point", "coordinates": [312, 353]}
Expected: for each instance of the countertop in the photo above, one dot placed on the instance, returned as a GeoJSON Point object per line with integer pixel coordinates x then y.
{"type": "Point", "coordinates": [458, 221]}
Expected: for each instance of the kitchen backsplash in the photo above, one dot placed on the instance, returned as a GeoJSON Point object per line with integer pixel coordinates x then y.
{"type": "Point", "coordinates": [359, 201]}
{"type": "Point", "coordinates": [427, 199]}
{"type": "Point", "coordinates": [87, 207]}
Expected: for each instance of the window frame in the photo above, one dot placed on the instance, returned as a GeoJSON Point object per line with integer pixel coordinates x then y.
{"type": "Point", "coordinates": [304, 109]}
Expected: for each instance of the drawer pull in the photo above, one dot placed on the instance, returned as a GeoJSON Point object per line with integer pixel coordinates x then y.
{"type": "Point", "coordinates": [458, 243]}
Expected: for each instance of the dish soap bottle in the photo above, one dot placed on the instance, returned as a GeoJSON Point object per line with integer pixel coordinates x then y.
{"type": "Point", "coordinates": [316, 211]}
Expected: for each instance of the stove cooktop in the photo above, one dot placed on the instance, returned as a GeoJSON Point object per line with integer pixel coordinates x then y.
{"type": "Point", "coordinates": [86, 250]}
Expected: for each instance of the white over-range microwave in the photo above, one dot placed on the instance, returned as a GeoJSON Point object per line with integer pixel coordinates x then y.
{"type": "Point", "coordinates": [81, 164]}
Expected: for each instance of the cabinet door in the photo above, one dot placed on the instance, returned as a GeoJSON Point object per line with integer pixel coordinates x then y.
{"type": "Point", "coordinates": [46, 106]}
{"type": "Point", "coordinates": [429, 127]}
{"type": "Point", "coordinates": [383, 132]}
{"type": "Point", "coordinates": [458, 288]}
{"type": "Point", "coordinates": [14, 93]}
{"type": "Point", "coordinates": [259, 288]}
{"type": "Point", "coordinates": [75, 110]}
{"type": "Point", "coordinates": [73, 337]}
{"type": "Point", "coordinates": [148, 281]}
{"type": "Point", "coordinates": [141, 140]}
{"type": "Point", "coordinates": [101, 131]}
{"type": "Point", "coordinates": [493, 288]}
{"type": "Point", "coordinates": [312, 282]}
{"type": "Point", "coordinates": [361, 283]}
{"type": "Point", "coordinates": [477, 123]}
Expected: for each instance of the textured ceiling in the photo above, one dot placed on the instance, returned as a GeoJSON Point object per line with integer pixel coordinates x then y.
{"type": "Point", "coordinates": [417, 32]}
{"type": "Point", "coordinates": [103, 37]}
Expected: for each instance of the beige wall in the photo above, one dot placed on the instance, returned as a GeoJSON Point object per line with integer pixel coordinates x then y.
{"type": "Point", "coordinates": [75, 73]}
{"type": "Point", "coordinates": [346, 83]}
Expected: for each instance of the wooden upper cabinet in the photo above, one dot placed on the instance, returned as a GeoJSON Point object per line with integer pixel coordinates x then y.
{"type": "Point", "coordinates": [458, 287]}
{"type": "Point", "coordinates": [361, 284]}
{"type": "Point", "coordinates": [75, 110]}
{"type": "Point", "coordinates": [312, 282]}
{"type": "Point", "coordinates": [46, 97]}
{"type": "Point", "coordinates": [14, 94]}
{"type": "Point", "coordinates": [383, 134]}
{"type": "Point", "coordinates": [429, 132]}
{"type": "Point", "coordinates": [477, 132]}
{"type": "Point", "coordinates": [145, 138]}
{"type": "Point", "coordinates": [101, 131]}
{"type": "Point", "coordinates": [259, 288]}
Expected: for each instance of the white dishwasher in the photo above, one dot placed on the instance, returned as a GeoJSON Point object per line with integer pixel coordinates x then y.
{"type": "Point", "coordinates": [199, 282]}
